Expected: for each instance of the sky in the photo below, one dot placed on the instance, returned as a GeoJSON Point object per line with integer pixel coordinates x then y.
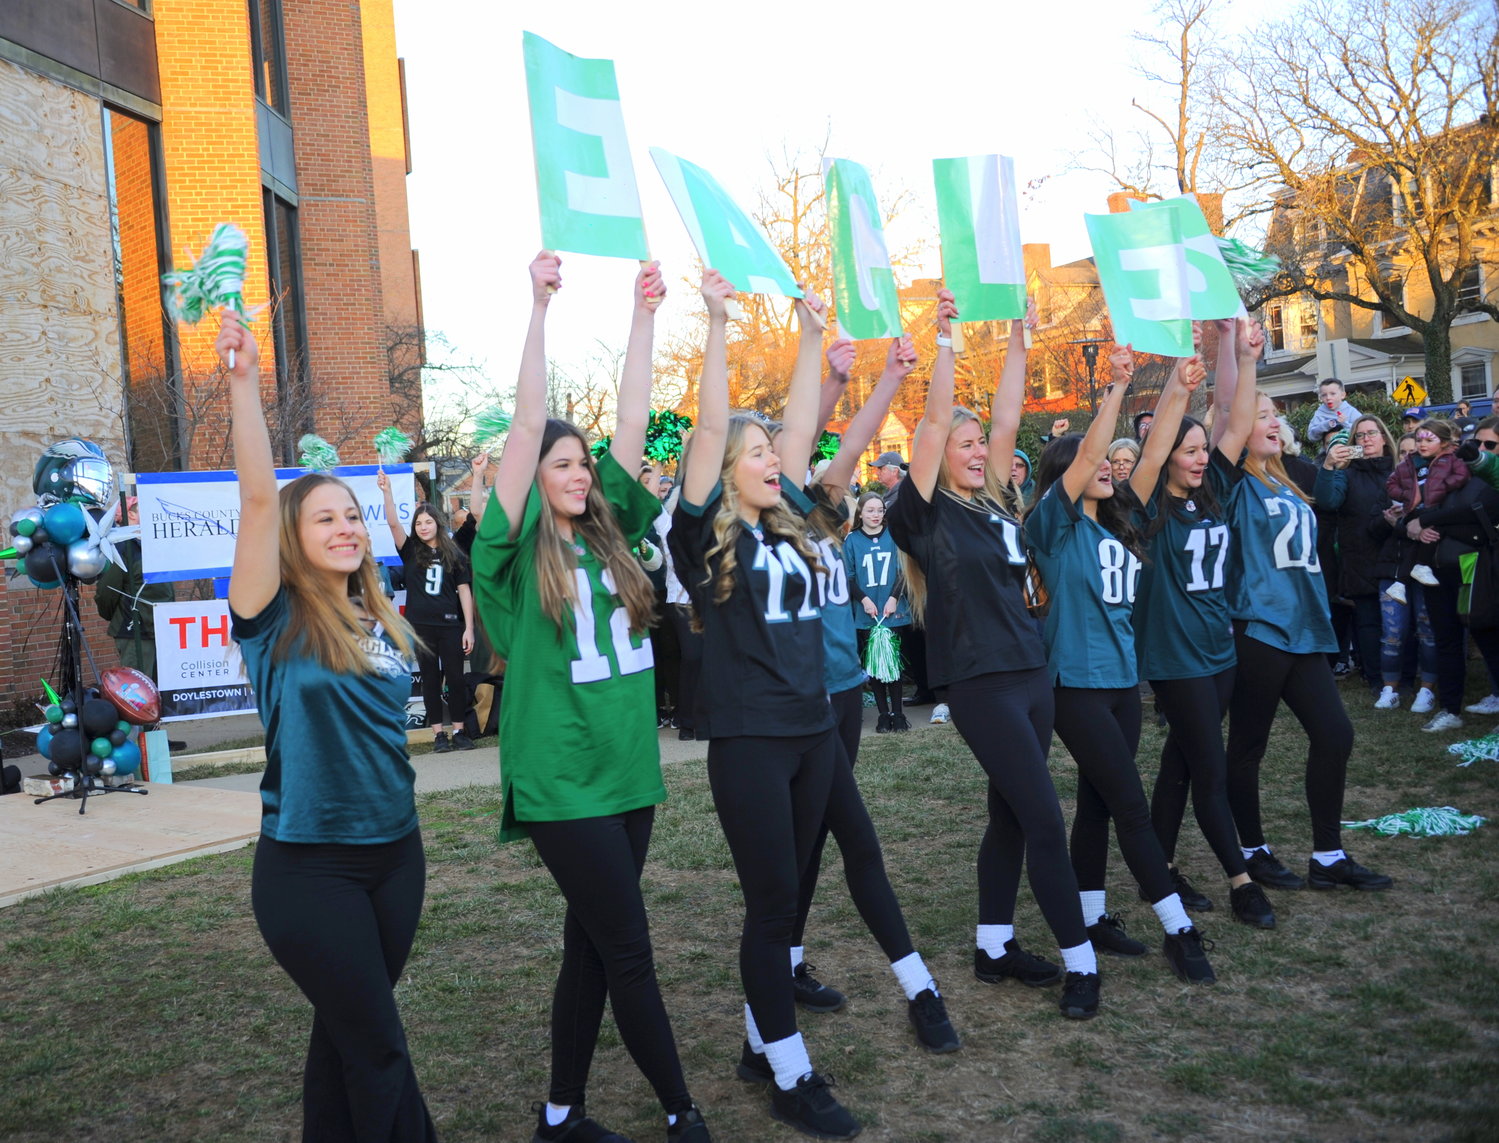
{"type": "Point", "coordinates": [731, 87]}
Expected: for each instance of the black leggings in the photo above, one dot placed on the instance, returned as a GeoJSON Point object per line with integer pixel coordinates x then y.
{"type": "Point", "coordinates": [1265, 676]}
{"type": "Point", "coordinates": [1101, 729]}
{"type": "Point", "coordinates": [689, 663]}
{"type": "Point", "coordinates": [440, 660]}
{"type": "Point", "coordinates": [771, 795]}
{"type": "Point", "coordinates": [340, 920]}
{"type": "Point", "coordinates": [888, 697]}
{"type": "Point", "coordinates": [1005, 718]}
{"type": "Point", "coordinates": [1193, 756]}
{"type": "Point", "coordinates": [606, 952]}
{"type": "Point", "coordinates": [863, 863]}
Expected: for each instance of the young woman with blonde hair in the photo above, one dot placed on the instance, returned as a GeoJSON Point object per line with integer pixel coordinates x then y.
{"type": "Point", "coordinates": [339, 869]}
{"type": "Point", "coordinates": [567, 605]}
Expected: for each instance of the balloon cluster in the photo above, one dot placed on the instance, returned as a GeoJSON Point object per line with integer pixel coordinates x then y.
{"type": "Point", "coordinates": [68, 531]}
{"type": "Point", "coordinates": [97, 735]}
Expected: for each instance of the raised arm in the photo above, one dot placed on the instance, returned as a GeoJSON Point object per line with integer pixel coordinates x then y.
{"type": "Point", "coordinates": [635, 378]}
{"type": "Point", "coordinates": [931, 434]}
{"type": "Point", "coordinates": [710, 435]}
{"type": "Point", "coordinates": [397, 532]}
{"type": "Point", "coordinates": [517, 470]}
{"type": "Point", "coordinates": [1009, 398]}
{"type": "Point", "coordinates": [256, 576]}
{"type": "Point", "coordinates": [840, 357]}
{"type": "Point", "coordinates": [1095, 447]}
{"type": "Point", "coordinates": [900, 359]}
{"type": "Point", "coordinates": [800, 426]}
{"type": "Point", "coordinates": [476, 499]}
{"type": "Point", "coordinates": [1239, 345]}
{"type": "Point", "coordinates": [1169, 411]}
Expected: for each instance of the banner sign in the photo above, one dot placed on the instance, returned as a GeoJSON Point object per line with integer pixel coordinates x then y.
{"type": "Point", "coordinates": [863, 283]}
{"type": "Point", "coordinates": [1210, 285]}
{"type": "Point", "coordinates": [726, 239]}
{"type": "Point", "coordinates": [1142, 267]}
{"type": "Point", "coordinates": [189, 520]}
{"type": "Point", "coordinates": [585, 183]}
{"type": "Point", "coordinates": [199, 671]}
{"type": "Point", "coordinates": [979, 218]}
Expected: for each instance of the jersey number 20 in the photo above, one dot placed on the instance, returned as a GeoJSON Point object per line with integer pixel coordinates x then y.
{"type": "Point", "coordinates": [1295, 546]}
{"type": "Point", "coordinates": [591, 665]}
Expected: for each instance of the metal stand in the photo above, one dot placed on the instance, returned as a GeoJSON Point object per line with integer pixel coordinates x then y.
{"type": "Point", "coordinates": [88, 784]}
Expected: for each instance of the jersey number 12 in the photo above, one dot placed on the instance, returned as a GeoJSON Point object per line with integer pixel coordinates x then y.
{"type": "Point", "coordinates": [592, 665]}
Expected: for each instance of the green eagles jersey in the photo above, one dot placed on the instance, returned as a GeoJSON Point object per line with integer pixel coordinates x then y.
{"type": "Point", "coordinates": [578, 712]}
{"type": "Point", "coordinates": [1182, 625]}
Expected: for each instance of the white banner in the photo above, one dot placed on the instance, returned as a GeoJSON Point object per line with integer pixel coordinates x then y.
{"type": "Point", "coordinates": [199, 671]}
{"type": "Point", "coordinates": [189, 520]}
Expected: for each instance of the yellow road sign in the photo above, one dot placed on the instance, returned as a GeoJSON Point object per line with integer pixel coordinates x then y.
{"type": "Point", "coordinates": [1409, 393]}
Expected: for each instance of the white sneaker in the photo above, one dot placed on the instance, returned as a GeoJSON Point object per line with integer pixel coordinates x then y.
{"type": "Point", "coordinates": [1389, 699]}
{"type": "Point", "coordinates": [1395, 591]}
{"type": "Point", "coordinates": [1488, 705]}
{"type": "Point", "coordinates": [940, 713]}
{"type": "Point", "coordinates": [1443, 721]}
{"type": "Point", "coordinates": [1423, 574]}
{"type": "Point", "coordinates": [1425, 703]}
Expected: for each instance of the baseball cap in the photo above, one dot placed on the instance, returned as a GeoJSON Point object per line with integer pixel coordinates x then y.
{"type": "Point", "coordinates": [887, 458]}
{"type": "Point", "coordinates": [1416, 414]}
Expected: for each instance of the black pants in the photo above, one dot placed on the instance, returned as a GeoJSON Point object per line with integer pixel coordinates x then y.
{"type": "Point", "coordinates": [689, 662]}
{"type": "Point", "coordinates": [668, 657]}
{"type": "Point", "coordinates": [1368, 629]}
{"type": "Point", "coordinates": [1193, 756]}
{"type": "Point", "coordinates": [863, 863]}
{"type": "Point", "coordinates": [1447, 633]}
{"type": "Point", "coordinates": [340, 920]}
{"type": "Point", "coordinates": [913, 644]}
{"type": "Point", "coordinates": [1101, 730]}
{"type": "Point", "coordinates": [1006, 718]}
{"type": "Point", "coordinates": [606, 952]}
{"type": "Point", "coordinates": [771, 795]}
{"type": "Point", "coordinates": [440, 661]}
{"type": "Point", "coordinates": [888, 697]}
{"type": "Point", "coordinates": [1266, 676]}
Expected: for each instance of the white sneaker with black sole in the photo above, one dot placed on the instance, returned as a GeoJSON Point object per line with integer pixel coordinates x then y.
{"type": "Point", "coordinates": [940, 713]}
{"type": "Point", "coordinates": [1426, 701]}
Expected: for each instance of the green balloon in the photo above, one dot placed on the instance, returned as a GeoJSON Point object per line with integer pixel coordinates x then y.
{"type": "Point", "coordinates": [102, 748]}
{"type": "Point", "coordinates": [53, 713]}
{"type": "Point", "coordinates": [123, 725]}
{"type": "Point", "coordinates": [25, 526]}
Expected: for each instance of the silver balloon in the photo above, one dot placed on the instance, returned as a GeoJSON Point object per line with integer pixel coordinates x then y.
{"type": "Point", "coordinates": [33, 514]}
{"type": "Point", "coordinates": [22, 544]}
{"type": "Point", "coordinates": [69, 721]}
{"type": "Point", "coordinates": [85, 560]}
{"type": "Point", "coordinates": [107, 767]}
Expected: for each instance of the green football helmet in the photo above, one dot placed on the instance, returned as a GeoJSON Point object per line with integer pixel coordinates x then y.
{"type": "Point", "coordinates": [74, 469]}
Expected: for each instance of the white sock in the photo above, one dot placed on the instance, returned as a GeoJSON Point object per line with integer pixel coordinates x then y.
{"type": "Point", "coordinates": [555, 1115]}
{"type": "Point", "coordinates": [671, 1119]}
{"type": "Point", "coordinates": [912, 973]}
{"type": "Point", "coordinates": [752, 1033]}
{"type": "Point", "coordinates": [1328, 856]}
{"type": "Point", "coordinates": [789, 1060]}
{"type": "Point", "coordinates": [1080, 958]}
{"type": "Point", "coordinates": [1250, 852]}
{"type": "Point", "coordinates": [993, 938]}
{"type": "Point", "coordinates": [1172, 915]}
{"type": "Point", "coordinates": [1093, 905]}
{"type": "Point", "coordinates": [798, 954]}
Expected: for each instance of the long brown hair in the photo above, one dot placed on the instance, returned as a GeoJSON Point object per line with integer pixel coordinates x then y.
{"type": "Point", "coordinates": [444, 551]}
{"type": "Point", "coordinates": [323, 627]}
{"type": "Point", "coordinates": [556, 560]}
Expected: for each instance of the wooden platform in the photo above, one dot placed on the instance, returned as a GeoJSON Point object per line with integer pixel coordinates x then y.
{"type": "Point", "coordinates": [52, 844]}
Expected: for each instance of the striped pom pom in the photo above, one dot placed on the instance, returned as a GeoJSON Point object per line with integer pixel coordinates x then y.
{"type": "Point", "coordinates": [489, 426]}
{"type": "Point", "coordinates": [1430, 821]}
{"type": "Point", "coordinates": [317, 454]}
{"type": "Point", "coordinates": [392, 445]}
{"type": "Point", "coordinates": [882, 654]}
{"type": "Point", "coordinates": [216, 278]}
{"type": "Point", "coordinates": [1485, 749]}
{"type": "Point", "coordinates": [1250, 268]}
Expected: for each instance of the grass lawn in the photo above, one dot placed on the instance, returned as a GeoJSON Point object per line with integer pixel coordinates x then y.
{"type": "Point", "coordinates": [148, 1008]}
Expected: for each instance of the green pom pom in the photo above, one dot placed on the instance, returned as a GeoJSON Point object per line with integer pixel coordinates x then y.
{"type": "Point", "coordinates": [827, 446]}
{"type": "Point", "coordinates": [663, 435]}
{"type": "Point", "coordinates": [490, 425]}
{"type": "Point", "coordinates": [882, 654]}
{"type": "Point", "coordinates": [1250, 268]}
{"type": "Point", "coordinates": [317, 454]}
{"type": "Point", "coordinates": [601, 446]}
{"type": "Point", "coordinates": [1485, 749]}
{"type": "Point", "coordinates": [392, 445]}
{"type": "Point", "coordinates": [1429, 821]}
{"type": "Point", "coordinates": [216, 279]}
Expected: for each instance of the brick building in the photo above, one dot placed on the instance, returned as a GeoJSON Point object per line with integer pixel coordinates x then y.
{"type": "Point", "coordinates": [128, 129]}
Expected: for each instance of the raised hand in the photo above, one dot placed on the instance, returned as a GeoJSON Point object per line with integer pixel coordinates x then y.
{"type": "Point", "coordinates": [1194, 372]}
{"type": "Point", "coordinates": [947, 312]}
{"type": "Point", "coordinates": [235, 338]}
{"type": "Point", "coordinates": [546, 276]}
{"type": "Point", "coordinates": [479, 463]}
{"type": "Point", "coordinates": [811, 312]}
{"type": "Point", "coordinates": [840, 357]}
{"type": "Point", "coordinates": [1251, 340]}
{"type": "Point", "coordinates": [1059, 427]}
{"type": "Point", "coordinates": [650, 287]}
{"type": "Point", "coordinates": [1122, 364]}
{"type": "Point", "coordinates": [717, 290]}
{"type": "Point", "coordinates": [900, 358]}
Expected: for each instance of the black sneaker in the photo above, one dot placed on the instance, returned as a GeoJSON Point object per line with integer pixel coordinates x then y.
{"type": "Point", "coordinates": [899, 722]}
{"type": "Point", "coordinates": [576, 1128]}
{"type": "Point", "coordinates": [1186, 953]}
{"type": "Point", "coordinates": [1191, 897]}
{"type": "Point", "coordinates": [1080, 996]}
{"type": "Point", "coordinates": [1267, 870]}
{"type": "Point", "coordinates": [753, 1067]}
{"type": "Point", "coordinates": [1251, 906]}
{"type": "Point", "coordinates": [440, 743]}
{"type": "Point", "coordinates": [812, 994]}
{"type": "Point", "coordinates": [686, 734]}
{"type": "Point", "coordinates": [928, 1015]}
{"type": "Point", "coordinates": [1108, 936]}
{"type": "Point", "coordinates": [882, 725]}
{"type": "Point", "coordinates": [812, 1110]}
{"type": "Point", "coordinates": [1345, 872]}
{"type": "Point", "coordinates": [689, 1128]}
{"type": "Point", "coordinates": [462, 741]}
{"type": "Point", "coordinates": [1017, 964]}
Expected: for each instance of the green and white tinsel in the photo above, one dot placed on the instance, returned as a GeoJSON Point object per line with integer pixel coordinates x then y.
{"type": "Point", "coordinates": [216, 278]}
{"type": "Point", "coordinates": [882, 654]}
{"type": "Point", "coordinates": [1485, 749]}
{"type": "Point", "coordinates": [490, 426]}
{"type": "Point", "coordinates": [317, 454]}
{"type": "Point", "coordinates": [392, 445]}
{"type": "Point", "coordinates": [1431, 821]}
{"type": "Point", "coordinates": [1250, 268]}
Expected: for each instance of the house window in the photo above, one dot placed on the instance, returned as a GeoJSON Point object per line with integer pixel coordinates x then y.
{"type": "Point", "coordinates": [1383, 322]}
{"type": "Point", "coordinates": [288, 325]}
{"type": "Point", "coordinates": [268, 52]}
{"type": "Point", "coordinates": [1470, 286]}
{"type": "Point", "coordinates": [148, 351]}
{"type": "Point", "coordinates": [1310, 313]}
{"type": "Point", "coordinates": [1275, 324]}
{"type": "Point", "coordinates": [1473, 378]}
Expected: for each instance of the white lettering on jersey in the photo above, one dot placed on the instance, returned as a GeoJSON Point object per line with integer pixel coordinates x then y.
{"type": "Point", "coordinates": [1199, 541]}
{"type": "Point", "coordinates": [1010, 532]}
{"type": "Point", "coordinates": [780, 565]}
{"type": "Point", "coordinates": [1295, 545]}
{"type": "Point", "coordinates": [1119, 570]}
{"type": "Point", "coordinates": [832, 583]}
{"type": "Point", "coordinates": [592, 665]}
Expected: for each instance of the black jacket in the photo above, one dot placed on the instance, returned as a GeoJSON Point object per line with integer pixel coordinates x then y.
{"type": "Point", "coordinates": [1354, 499]}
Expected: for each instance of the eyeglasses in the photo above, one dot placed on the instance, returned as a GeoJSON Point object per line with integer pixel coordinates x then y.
{"type": "Point", "coordinates": [1490, 445]}
{"type": "Point", "coordinates": [1373, 435]}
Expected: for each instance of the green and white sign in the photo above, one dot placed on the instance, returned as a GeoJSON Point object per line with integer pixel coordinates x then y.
{"type": "Point", "coordinates": [979, 216]}
{"type": "Point", "coordinates": [863, 283]}
{"type": "Point", "coordinates": [585, 183]}
{"type": "Point", "coordinates": [726, 239]}
{"type": "Point", "coordinates": [1142, 267]}
{"type": "Point", "coordinates": [1210, 286]}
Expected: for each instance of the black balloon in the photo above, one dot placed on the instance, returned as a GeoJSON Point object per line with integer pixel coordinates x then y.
{"type": "Point", "coordinates": [53, 768]}
{"type": "Point", "coordinates": [69, 706]}
{"type": "Point", "coordinates": [68, 749]}
{"type": "Point", "coordinates": [98, 717]}
{"type": "Point", "coordinates": [118, 736]}
{"type": "Point", "coordinates": [47, 563]}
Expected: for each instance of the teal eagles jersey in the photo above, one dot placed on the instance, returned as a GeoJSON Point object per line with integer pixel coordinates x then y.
{"type": "Point", "coordinates": [1274, 575]}
{"type": "Point", "coordinates": [1182, 624]}
{"type": "Point", "coordinates": [841, 668]}
{"type": "Point", "coordinates": [1091, 578]}
{"type": "Point", "coordinates": [873, 563]}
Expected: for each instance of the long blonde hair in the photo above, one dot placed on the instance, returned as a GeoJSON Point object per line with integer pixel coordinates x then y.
{"type": "Point", "coordinates": [995, 498]}
{"type": "Point", "coordinates": [556, 560]}
{"type": "Point", "coordinates": [777, 522]}
{"type": "Point", "coordinates": [322, 627]}
{"type": "Point", "coordinates": [1272, 470]}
